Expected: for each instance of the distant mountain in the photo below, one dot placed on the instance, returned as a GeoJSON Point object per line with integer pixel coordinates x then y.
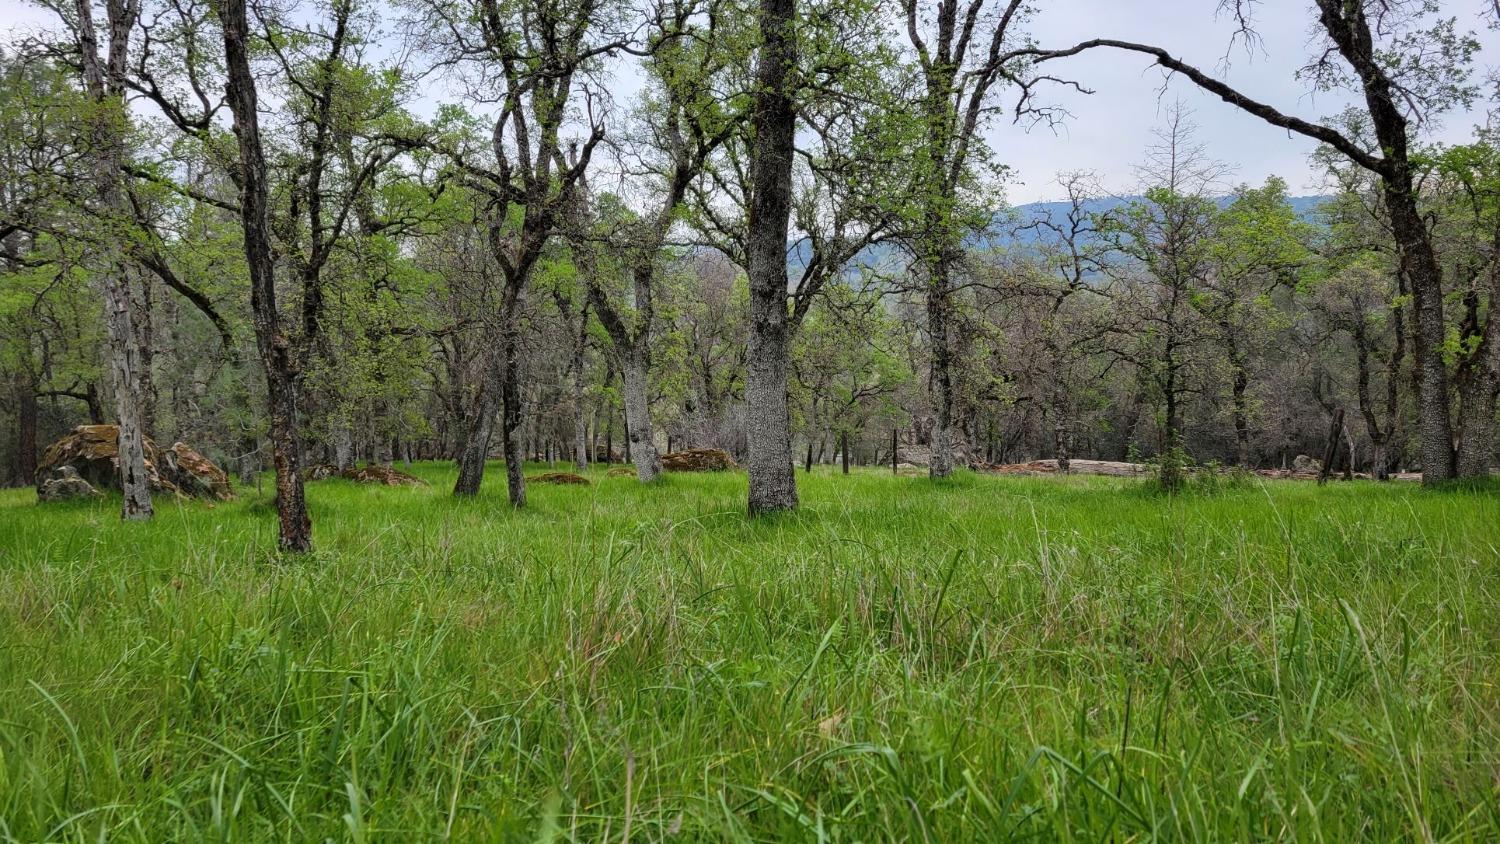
{"type": "Point", "coordinates": [1009, 232]}
{"type": "Point", "coordinates": [1305, 206]}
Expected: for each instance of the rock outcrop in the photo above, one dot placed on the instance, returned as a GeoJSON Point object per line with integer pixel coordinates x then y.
{"type": "Point", "coordinates": [91, 454]}
{"type": "Point", "coordinates": [1306, 465]}
{"type": "Point", "coordinates": [64, 485]}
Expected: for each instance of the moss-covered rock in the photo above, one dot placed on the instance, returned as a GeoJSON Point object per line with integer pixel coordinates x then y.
{"type": "Point", "coordinates": [91, 453]}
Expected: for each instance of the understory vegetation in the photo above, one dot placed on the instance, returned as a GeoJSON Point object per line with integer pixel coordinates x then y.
{"type": "Point", "coordinates": [977, 658]}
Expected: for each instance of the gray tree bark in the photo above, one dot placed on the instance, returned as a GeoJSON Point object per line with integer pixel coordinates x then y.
{"type": "Point", "coordinates": [1479, 380]}
{"type": "Point", "coordinates": [638, 415]}
{"type": "Point", "coordinates": [105, 83]}
{"type": "Point", "coordinates": [580, 424]}
{"type": "Point", "coordinates": [343, 445]}
{"type": "Point", "coordinates": [773, 483]}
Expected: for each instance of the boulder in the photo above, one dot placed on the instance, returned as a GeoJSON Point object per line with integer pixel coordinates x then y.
{"type": "Point", "coordinates": [698, 460]}
{"type": "Point", "coordinates": [65, 484]}
{"type": "Point", "coordinates": [558, 478]}
{"type": "Point", "coordinates": [621, 472]}
{"type": "Point", "coordinates": [195, 474]}
{"type": "Point", "coordinates": [1306, 465]}
{"type": "Point", "coordinates": [91, 453]}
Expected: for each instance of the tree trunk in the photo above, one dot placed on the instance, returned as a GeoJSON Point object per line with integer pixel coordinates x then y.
{"type": "Point", "coordinates": [343, 445]}
{"type": "Point", "coordinates": [141, 318]}
{"type": "Point", "coordinates": [1380, 461]}
{"type": "Point", "coordinates": [249, 464]}
{"type": "Point", "coordinates": [26, 412]}
{"type": "Point", "coordinates": [1479, 379]}
{"type": "Point", "coordinates": [108, 120]}
{"type": "Point", "coordinates": [1241, 418]}
{"type": "Point", "coordinates": [1331, 450]}
{"type": "Point", "coordinates": [844, 450]}
{"type": "Point", "coordinates": [295, 534]}
{"type": "Point", "coordinates": [773, 484]}
{"type": "Point", "coordinates": [1061, 429]}
{"type": "Point", "coordinates": [511, 415]}
{"type": "Point", "coordinates": [1421, 269]}
{"type": "Point", "coordinates": [639, 433]}
{"type": "Point", "coordinates": [580, 412]}
{"type": "Point", "coordinates": [94, 404]}
{"type": "Point", "coordinates": [476, 443]}
{"type": "Point", "coordinates": [938, 289]}
{"type": "Point", "coordinates": [1476, 419]}
{"type": "Point", "coordinates": [124, 365]}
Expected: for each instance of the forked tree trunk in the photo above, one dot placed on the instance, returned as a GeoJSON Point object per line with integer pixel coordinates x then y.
{"type": "Point", "coordinates": [1331, 449]}
{"type": "Point", "coordinates": [295, 527]}
{"type": "Point", "coordinates": [773, 484]}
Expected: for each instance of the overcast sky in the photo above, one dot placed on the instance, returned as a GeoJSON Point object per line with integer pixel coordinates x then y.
{"type": "Point", "coordinates": [1110, 128]}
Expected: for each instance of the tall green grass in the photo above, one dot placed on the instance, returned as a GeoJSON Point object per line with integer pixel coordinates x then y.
{"type": "Point", "coordinates": [984, 659]}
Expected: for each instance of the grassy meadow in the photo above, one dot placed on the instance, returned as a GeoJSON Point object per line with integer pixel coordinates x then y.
{"type": "Point", "coordinates": [985, 659]}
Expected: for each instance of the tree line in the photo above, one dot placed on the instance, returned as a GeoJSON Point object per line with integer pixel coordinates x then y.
{"type": "Point", "coordinates": [791, 237]}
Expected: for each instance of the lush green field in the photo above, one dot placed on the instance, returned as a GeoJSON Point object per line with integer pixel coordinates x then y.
{"type": "Point", "coordinates": [986, 659]}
